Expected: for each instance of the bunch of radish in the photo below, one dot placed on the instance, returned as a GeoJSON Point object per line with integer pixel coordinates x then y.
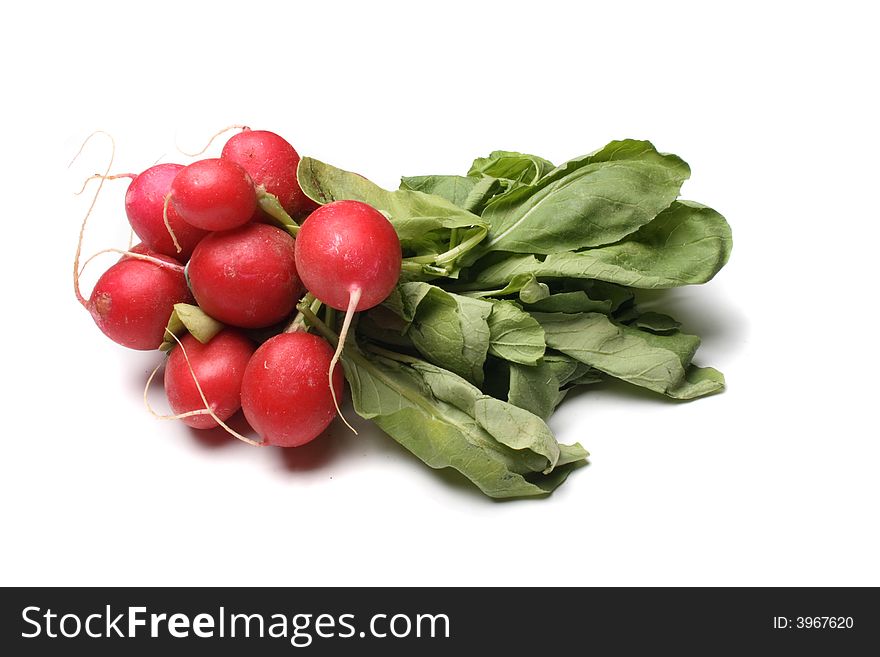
{"type": "Point", "coordinates": [488, 296]}
{"type": "Point", "coordinates": [237, 237]}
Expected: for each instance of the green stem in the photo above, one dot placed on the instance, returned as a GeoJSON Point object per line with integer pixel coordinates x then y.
{"type": "Point", "coordinates": [318, 325]}
{"type": "Point", "coordinates": [410, 266]}
{"type": "Point", "coordinates": [453, 238]}
{"type": "Point", "coordinates": [298, 323]}
{"type": "Point", "coordinates": [423, 259]}
{"type": "Point", "coordinates": [330, 317]}
{"type": "Point", "coordinates": [392, 355]}
{"type": "Point", "coordinates": [270, 204]}
{"type": "Point", "coordinates": [464, 247]}
{"type": "Point", "coordinates": [439, 261]}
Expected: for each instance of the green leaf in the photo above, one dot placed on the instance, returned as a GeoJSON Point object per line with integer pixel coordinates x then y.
{"type": "Point", "coordinates": [656, 323]}
{"type": "Point", "coordinates": [681, 344]}
{"type": "Point", "coordinates": [570, 371]}
{"type": "Point", "coordinates": [415, 215]}
{"type": "Point", "coordinates": [202, 326]}
{"type": "Point", "coordinates": [404, 300]}
{"type": "Point", "coordinates": [593, 204]}
{"type": "Point", "coordinates": [651, 361]}
{"type": "Point", "coordinates": [514, 335]}
{"type": "Point", "coordinates": [563, 367]}
{"type": "Point", "coordinates": [699, 381]}
{"type": "Point", "coordinates": [626, 149]}
{"type": "Point", "coordinates": [509, 165]}
{"type": "Point", "coordinates": [618, 296]}
{"type": "Point", "coordinates": [468, 193]}
{"type": "Point", "coordinates": [454, 189]}
{"type": "Point", "coordinates": [272, 208]}
{"type": "Point", "coordinates": [516, 428]}
{"type": "Point", "coordinates": [186, 317]}
{"type": "Point", "coordinates": [588, 377]}
{"type": "Point", "coordinates": [481, 194]}
{"type": "Point", "coordinates": [570, 302]}
{"type": "Point", "coordinates": [536, 389]}
{"type": "Point", "coordinates": [686, 244]}
{"type": "Point", "coordinates": [527, 286]}
{"type": "Point", "coordinates": [173, 327]}
{"type": "Point", "coordinates": [531, 290]}
{"type": "Point", "coordinates": [571, 454]}
{"type": "Point", "coordinates": [381, 325]}
{"type": "Point", "coordinates": [509, 425]}
{"type": "Point", "coordinates": [447, 329]}
{"type": "Point", "coordinates": [446, 422]}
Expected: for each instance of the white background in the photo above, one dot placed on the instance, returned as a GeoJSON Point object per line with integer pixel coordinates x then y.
{"type": "Point", "coordinates": [773, 105]}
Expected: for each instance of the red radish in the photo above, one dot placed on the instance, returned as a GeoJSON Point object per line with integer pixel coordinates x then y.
{"type": "Point", "coordinates": [246, 277]}
{"type": "Point", "coordinates": [217, 366]}
{"type": "Point", "coordinates": [346, 248]}
{"type": "Point", "coordinates": [214, 194]}
{"type": "Point", "coordinates": [284, 394]}
{"type": "Point", "coordinates": [144, 204]}
{"type": "Point", "coordinates": [271, 161]}
{"type": "Point", "coordinates": [348, 255]}
{"type": "Point", "coordinates": [132, 301]}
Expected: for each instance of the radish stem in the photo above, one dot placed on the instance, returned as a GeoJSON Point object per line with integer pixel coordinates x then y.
{"type": "Point", "coordinates": [270, 204]}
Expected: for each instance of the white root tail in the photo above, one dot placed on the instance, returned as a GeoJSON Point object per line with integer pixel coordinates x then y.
{"type": "Point", "coordinates": [207, 410]}
{"type": "Point", "coordinates": [101, 176]}
{"type": "Point", "coordinates": [353, 300]}
{"type": "Point", "coordinates": [211, 140]}
{"type": "Point", "coordinates": [168, 224]}
{"type": "Point", "coordinates": [82, 228]}
{"type": "Point", "coordinates": [136, 256]}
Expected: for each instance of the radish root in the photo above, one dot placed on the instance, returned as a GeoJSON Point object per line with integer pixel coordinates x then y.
{"type": "Point", "coordinates": [96, 176]}
{"type": "Point", "coordinates": [159, 416]}
{"type": "Point", "coordinates": [168, 225]}
{"type": "Point", "coordinates": [207, 410]}
{"type": "Point", "coordinates": [82, 228]}
{"type": "Point", "coordinates": [211, 140]}
{"type": "Point", "coordinates": [137, 256]}
{"type": "Point", "coordinates": [353, 300]}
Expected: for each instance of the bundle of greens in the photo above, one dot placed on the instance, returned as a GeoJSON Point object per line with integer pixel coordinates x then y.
{"type": "Point", "coordinates": [519, 283]}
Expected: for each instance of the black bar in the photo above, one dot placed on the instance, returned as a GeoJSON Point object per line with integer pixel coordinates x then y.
{"type": "Point", "coordinates": [512, 620]}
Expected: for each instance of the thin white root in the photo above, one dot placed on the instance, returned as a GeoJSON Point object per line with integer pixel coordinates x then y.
{"type": "Point", "coordinates": [136, 256]}
{"type": "Point", "coordinates": [82, 228]}
{"type": "Point", "coordinates": [101, 176]}
{"type": "Point", "coordinates": [353, 300]}
{"type": "Point", "coordinates": [204, 411]}
{"type": "Point", "coordinates": [168, 224]}
{"type": "Point", "coordinates": [159, 416]}
{"type": "Point", "coordinates": [211, 140]}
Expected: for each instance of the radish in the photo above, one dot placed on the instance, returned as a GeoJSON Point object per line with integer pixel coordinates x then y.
{"type": "Point", "coordinates": [271, 162]}
{"type": "Point", "coordinates": [284, 394]}
{"type": "Point", "coordinates": [214, 194]}
{"type": "Point", "coordinates": [246, 277]}
{"type": "Point", "coordinates": [217, 367]}
{"type": "Point", "coordinates": [132, 301]}
{"type": "Point", "coordinates": [144, 203]}
{"type": "Point", "coordinates": [349, 257]}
